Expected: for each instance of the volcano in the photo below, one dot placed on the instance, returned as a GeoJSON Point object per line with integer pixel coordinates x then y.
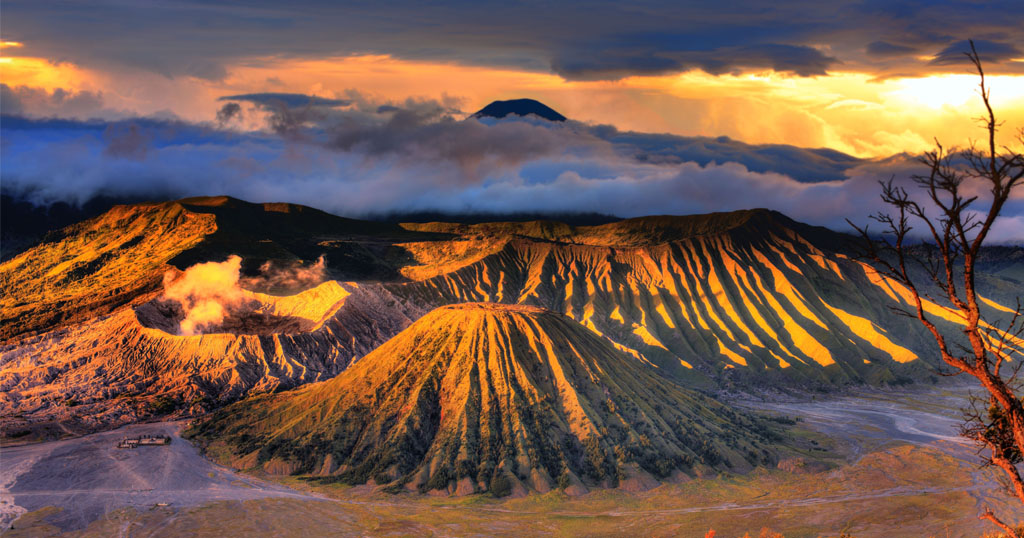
{"type": "Point", "coordinates": [490, 397]}
{"type": "Point", "coordinates": [519, 107]}
{"type": "Point", "coordinates": [741, 301]}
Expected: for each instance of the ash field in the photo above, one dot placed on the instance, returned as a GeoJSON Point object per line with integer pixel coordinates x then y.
{"type": "Point", "coordinates": [89, 477]}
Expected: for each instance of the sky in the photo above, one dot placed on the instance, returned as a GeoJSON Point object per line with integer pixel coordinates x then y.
{"type": "Point", "coordinates": [363, 108]}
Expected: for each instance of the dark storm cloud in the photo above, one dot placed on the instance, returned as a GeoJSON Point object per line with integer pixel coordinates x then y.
{"type": "Point", "coordinates": [59, 102]}
{"type": "Point", "coordinates": [611, 64]}
{"type": "Point", "coordinates": [990, 52]}
{"type": "Point", "coordinates": [576, 39]}
{"type": "Point", "coordinates": [287, 113]}
{"type": "Point", "coordinates": [126, 141]}
{"type": "Point", "coordinates": [290, 100]}
{"type": "Point", "coordinates": [476, 148]}
{"type": "Point", "coordinates": [802, 164]}
{"type": "Point", "coordinates": [228, 112]}
{"type": "Point", "coordinates": [886, 49]}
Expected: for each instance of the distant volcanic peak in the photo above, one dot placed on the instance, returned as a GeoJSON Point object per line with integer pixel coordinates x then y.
{"type": "Point", "coordinates": [519, 107]}
{"type": "Point", "coordinates": [483, 397]}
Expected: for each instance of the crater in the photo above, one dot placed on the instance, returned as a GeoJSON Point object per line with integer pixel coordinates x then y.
{"type": "Point", "coordinates": [254, 314]}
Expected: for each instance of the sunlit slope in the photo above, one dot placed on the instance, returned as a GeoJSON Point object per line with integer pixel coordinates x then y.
{"type": "Point", "coordinates": [742, 295]}
{"type": "Point", "coordinates": [481, 397]}
{"type": "Point", "coordinates": [471, 242]}
{"type": "Point", "coordinates": [95, 266]}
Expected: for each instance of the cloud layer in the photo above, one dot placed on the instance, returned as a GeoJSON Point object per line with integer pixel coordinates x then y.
{"type": "Point", "coordinates": [373, 158]}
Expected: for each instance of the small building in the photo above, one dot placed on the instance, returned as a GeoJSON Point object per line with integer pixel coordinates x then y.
{"type": "Point", "coordinates": [145, 440]}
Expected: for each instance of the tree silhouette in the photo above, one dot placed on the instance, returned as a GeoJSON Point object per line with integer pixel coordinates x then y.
{"type": "Point", "coordinates": [944, 266]}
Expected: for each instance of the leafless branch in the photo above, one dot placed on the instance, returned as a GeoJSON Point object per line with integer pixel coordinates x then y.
{"type": "Point", "coordinates": [954, 232]}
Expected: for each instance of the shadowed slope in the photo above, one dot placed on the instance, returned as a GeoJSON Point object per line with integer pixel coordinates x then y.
{"type": "Point", "coordinates": [286, 233]}
{"type": "Point", "coordinates": [482, 397]}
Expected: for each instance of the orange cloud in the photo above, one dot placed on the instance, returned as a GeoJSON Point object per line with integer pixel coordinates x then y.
{"type": "Point", "coordinates": [851, 112]}
{"type": "Point", "coordinates": [828, 111]}
{"type": "Point", "coordinates": [42, 73]}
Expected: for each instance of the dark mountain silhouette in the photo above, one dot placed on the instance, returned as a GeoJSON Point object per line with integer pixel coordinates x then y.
{"type": "Point", "coordinates": [519, 107]}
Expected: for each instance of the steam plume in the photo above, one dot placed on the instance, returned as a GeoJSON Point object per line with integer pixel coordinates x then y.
{"type": "Point", "coordinates": [291, 278]}
{"type": "Point", "coordinates": [206, 292]}
{"type": "Point", "coordinates": [210, 292]}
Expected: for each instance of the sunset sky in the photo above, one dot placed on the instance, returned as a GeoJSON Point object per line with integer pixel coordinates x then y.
{"type": "Point", "coordinates": [868, 79]}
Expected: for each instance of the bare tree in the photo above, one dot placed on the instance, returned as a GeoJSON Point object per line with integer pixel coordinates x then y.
{"type": "Point", "coordinates": [945, 265]}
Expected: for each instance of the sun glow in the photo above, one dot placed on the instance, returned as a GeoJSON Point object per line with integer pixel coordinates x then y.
{"type": "Point", "coordinates": [937, 91]}
{"type": "Point", "coordinates": [42, 74]}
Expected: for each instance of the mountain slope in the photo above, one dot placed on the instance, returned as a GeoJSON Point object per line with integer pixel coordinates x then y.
{"type": "Point", "coordinates": [119, 258]}
{"type": "Point", "coordinates": [743, 295]}
{"type": "Point", "coordinates": [480, 397]}
{"type": "Point", "coordinates": [95, 266]}
{"type": "Point", "coordinates": [740, 301]}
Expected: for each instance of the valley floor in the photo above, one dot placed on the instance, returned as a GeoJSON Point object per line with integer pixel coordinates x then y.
{"type": "Point", "coordinates": [891, 465]}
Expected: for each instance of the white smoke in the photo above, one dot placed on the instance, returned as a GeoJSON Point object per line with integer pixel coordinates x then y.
{"type": "Point", "coordinates": [294, 277]}
{"type": "Point", "coordinates": [206, 292]}
{"type": "Point", "coordinates": [210, 292]}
